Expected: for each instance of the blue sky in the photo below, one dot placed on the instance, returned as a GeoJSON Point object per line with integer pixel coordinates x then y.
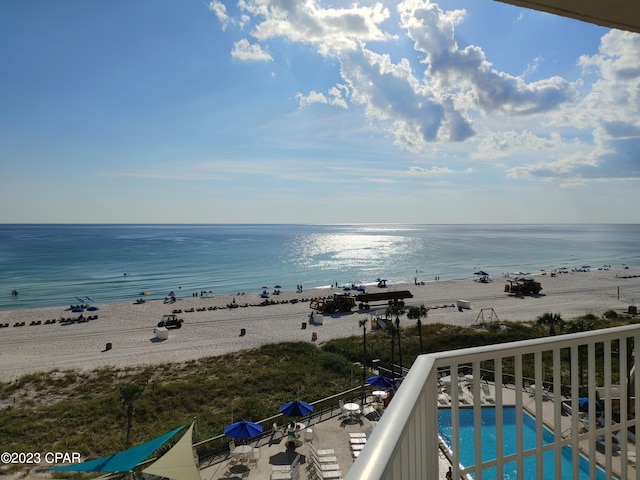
{"type": "Point", "coordinates": [314, 112]}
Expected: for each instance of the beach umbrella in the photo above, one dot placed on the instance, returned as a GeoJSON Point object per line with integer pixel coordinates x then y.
{"type": "Point", "coordinates": [243, 429]}
{"type": "Point", "coordinates": [380, 381]}
{"type": "Point", "coordinates": [277, 286]}
{"type": "Point", "coordinates": [481, 272]}
{"type": "Point", "coordinates": [583, 404]}
{"type": "Point", "coordinates": [296, 408]}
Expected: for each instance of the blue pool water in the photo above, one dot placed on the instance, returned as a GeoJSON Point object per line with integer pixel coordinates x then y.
{"type": "Point", "coordinates": [509, 435]}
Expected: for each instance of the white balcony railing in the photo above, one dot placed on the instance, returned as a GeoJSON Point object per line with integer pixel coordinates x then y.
{"type": "Point", "coordinates": [406, 442]}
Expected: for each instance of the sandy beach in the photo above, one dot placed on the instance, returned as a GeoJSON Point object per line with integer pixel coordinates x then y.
{"type": "Point", "coordinates": [206, 331]}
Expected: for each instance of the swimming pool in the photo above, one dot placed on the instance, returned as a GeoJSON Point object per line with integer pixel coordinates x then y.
{"type": "Point", "coordinates": [509, 437]}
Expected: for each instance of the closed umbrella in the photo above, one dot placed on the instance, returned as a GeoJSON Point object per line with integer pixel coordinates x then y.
{"type": "Point", "coordinates": [296, 408]}
{"type": "Point", "coordinates": [380, 381]}
{"type": "Point", "coordinates": [243, 429]}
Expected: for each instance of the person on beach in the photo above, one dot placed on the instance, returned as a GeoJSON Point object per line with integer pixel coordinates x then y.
{"type": "Point", "coordinates": [449, 475]}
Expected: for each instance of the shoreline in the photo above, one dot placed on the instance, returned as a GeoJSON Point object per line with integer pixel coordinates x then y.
{"type": "Point", "coordinates": [211, 329]}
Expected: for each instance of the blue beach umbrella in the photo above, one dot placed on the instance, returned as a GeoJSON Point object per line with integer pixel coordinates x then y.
{"type": "Point", "coordinates": [583, 404]}
{"type": "Point", "coordinates": [380, 381]}
{"type": "Point", "coordinates": [296, 408]}
{"type": "Point", "coordinates": [243, 429]}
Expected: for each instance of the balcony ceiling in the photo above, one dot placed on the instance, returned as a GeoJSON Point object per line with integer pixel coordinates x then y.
{"type": "Point", "coordinates": [619, 14]}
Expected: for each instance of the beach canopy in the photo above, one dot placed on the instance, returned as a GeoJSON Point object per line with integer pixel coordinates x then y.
{"type": "Point", "coordinates": [296, 408]}
{"type": "Point", "coordinates": [178, 463]}
{"type": "Point", "coordinates": [243, 429]}
{"type": "Point", "coordinates": [123, 461]}
{"type": "Point", "coordinates": [380, 381]}
{"type": "Point", "coordinates": [481, 272]}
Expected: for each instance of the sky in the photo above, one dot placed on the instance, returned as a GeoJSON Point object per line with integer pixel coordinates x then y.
{"type": "Point", "coordinates": [315, 111]}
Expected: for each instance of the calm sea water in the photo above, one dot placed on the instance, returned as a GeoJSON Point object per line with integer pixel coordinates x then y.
{"type": "Point", "coordinates": [51, 265]}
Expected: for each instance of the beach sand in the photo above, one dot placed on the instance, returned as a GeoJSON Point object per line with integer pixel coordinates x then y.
{"type": "Point", "coordinates": [129, 328]}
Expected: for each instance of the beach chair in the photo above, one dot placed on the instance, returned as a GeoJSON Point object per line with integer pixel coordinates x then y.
{"type": "Point", "coordinates": [343, 414]}
{"type": "Point", "coordinates": [463, 397]}
{"type": "Point", "coordinates": [357, 435]}
{"type": "Point", "coordinates": [308, 436]}
{"type": "Point", "coordinates": [284, 475]}
{"type": "Point", "coordinates": [325, 467]}
{"type": "Point", "coordinates": [254, 457]}
{"type": "Point", "coordinates": [334, 475]}
{"type": "Point", "coordinates": [322, 452]}
{"type": "Point", "coordinates": [529, 389]}
{"type": "Point", "coordinates": [547, 395]}
{"type": "Point", "coordinates": [487, 393]}
{"type": "Point", "coordinates": [325, 459]}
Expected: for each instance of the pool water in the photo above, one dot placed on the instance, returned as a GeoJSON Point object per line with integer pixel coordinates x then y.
{"type": "Point", "coordinates": [509, 437]}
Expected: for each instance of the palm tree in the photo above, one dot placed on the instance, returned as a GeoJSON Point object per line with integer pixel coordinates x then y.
{"type": "Point", "coordinates": [363, 323]}
{"type": "Point", "coordinates": [390, 328]}
{"type": "Point", "coordinates": [397, 310]}
{"type": "Point", "coordinates": [551, 320]}
{"type": "Point", "coordinates": [129, 394]}
{"type": "Point", "coordinates": [416, 313]}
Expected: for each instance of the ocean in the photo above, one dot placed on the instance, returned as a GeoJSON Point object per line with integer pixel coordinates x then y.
{"type": "Point", "coordinates": [54, 265]}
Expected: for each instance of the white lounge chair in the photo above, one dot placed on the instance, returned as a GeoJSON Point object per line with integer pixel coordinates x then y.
{"type": "Point", "coordinates": [486, 392]}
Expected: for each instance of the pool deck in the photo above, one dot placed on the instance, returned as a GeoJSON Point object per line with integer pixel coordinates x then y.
{"type": "Point", "coordinates": [331, 433]}
{"type": "Point", "coordinates": [334, 433]}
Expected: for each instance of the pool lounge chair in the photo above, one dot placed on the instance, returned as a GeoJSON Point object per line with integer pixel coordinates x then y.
{"type": "Point", "coordinates": [488, 397]}
{"type": "Point", "coordinates": [463, 397]}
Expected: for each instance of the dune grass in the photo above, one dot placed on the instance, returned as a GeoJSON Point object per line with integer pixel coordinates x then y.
{"type": "Point", "coordinates": [80, 411]}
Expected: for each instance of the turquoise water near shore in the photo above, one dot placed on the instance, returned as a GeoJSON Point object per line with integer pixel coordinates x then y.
{"type": "Point", "coordinates": [51, 265]}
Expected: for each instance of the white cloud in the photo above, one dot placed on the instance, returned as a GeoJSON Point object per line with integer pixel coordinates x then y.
{"type": "Point", "coordinates": [220, 11]}
{"type": "Point", "coordinates": [430, 172]}
{"type": "Point", "coordinates": [495, 144]}
{"type": "Point", "coordinates": [243, 50]}
{"type": "Point", "coordinates": [330, 29]}
{"type": "Point", "coordinates": [466, 75]}
{"type": "Point", "coordinates": [443, 94]}
{"type": "Point", "coordinates": [334, 96]}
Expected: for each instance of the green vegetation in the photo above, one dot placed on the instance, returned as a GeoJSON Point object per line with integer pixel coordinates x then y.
{"type": "Point", "coordinates": [83, 411]}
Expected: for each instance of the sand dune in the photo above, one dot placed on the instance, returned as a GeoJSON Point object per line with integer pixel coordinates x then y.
{"type": "Point", "coordinates": [130, 327]}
